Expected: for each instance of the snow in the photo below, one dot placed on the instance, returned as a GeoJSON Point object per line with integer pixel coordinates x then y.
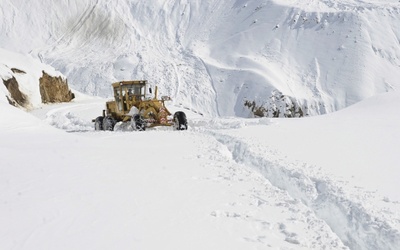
{"type": "Point", "coordinates": [229, 182]}
{"type": "Point", "coordinates": [312, 183]}
{"type": "Point", "coordinates": [326, 54]}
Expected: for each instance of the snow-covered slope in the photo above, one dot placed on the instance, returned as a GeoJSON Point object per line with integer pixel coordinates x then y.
{"type": "Point", "coordinates": [214, 55]}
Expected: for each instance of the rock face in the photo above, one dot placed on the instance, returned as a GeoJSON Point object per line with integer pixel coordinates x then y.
{"type": "Point", "coordinates": [54, 89]}
{"type": "Point", "coordinates": [16, 98]}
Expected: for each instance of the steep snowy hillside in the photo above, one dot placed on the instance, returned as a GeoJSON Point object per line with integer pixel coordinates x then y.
{"type": "Point", "coordinates": [213, 56]}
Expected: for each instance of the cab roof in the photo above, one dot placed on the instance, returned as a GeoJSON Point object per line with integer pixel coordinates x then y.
{"type": "Point", "coordinates": [136, 82]}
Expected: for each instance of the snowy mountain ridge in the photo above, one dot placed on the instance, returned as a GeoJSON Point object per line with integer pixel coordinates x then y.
{"type": "Point", "coordinates": [214, 56]}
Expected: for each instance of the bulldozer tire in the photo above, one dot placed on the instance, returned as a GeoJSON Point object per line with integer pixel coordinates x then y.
{"type": "Point", "coordinates": [180, 121]}
{"type": "Point", "coordinates": [108, 123]}
{"type": "Point", "coordinates": [138, 123]}
{"type": "Point", "coordinates": [98, 123]}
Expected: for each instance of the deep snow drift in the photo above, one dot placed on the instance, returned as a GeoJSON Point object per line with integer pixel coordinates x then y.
{"type": "Point", "coordinates": [212, 56]}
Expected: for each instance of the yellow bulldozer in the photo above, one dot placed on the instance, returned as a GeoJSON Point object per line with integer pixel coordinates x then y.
{"type": "Point", "coordinates": [132, 106]}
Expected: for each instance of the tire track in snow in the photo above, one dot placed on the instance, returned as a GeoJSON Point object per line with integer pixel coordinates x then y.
{"type": "Point", "coordinates": [348, 219]}
{"type": "Point", "coordinates": [265, 212]}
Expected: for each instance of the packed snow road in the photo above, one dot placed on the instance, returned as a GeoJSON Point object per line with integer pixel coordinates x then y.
{"type": "Point", "coordinates": [223, 184]}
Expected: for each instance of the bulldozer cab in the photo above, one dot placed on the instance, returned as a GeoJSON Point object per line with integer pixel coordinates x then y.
{"type": "Point", "coordinates": [128, 94]}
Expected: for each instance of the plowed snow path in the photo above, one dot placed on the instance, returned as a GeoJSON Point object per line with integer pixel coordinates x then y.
{"type": "Point", "coordinates": [348, 214]}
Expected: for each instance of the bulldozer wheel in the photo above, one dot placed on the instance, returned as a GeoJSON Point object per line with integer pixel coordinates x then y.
{"type": "Point", "coordinates": [138, 123]}
{"type": "Point", "coordinates": [108, 123]}
{"type": "Point", "coordinates": [180, 121]}
{"type": "Point", "coordinates": [98, 123]}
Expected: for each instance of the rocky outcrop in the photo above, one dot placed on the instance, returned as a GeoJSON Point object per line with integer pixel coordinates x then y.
{"type": "Point", "coordinates": [54, 89]}
{"type": "Point", "coordinates": [14, 70]}
{"type": "Point", "coordinates": [16, 98]}
{"type": "Point", "coordinates": [277, 105]}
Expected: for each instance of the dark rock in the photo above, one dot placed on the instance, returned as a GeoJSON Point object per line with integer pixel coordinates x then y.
{"type": "Point", "coordinates": [54, 89]}
{"type": "Point", "coordinates": [17, 98]}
